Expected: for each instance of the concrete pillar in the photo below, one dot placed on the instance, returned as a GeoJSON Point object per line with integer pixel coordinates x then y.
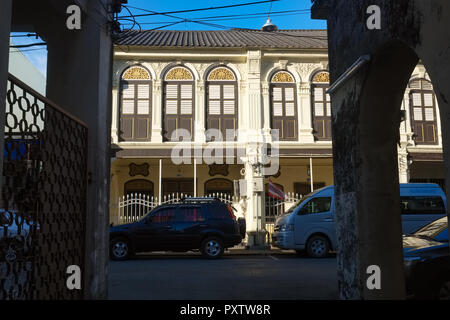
{"type": "Point", "coordinates": [406, 134]}
{"type": "Point", "coordinates": [157, 112]}
{"type": "Point", "coordinates": [199, 123]}
{"type": "Point", "coordinates": [243, 111]}
{"type": "Point", "coordinates": [403, 165]}
{"type": "Point", "coordinates": [254, 139]}
{"type": "Point", "coordinates": [79, 80]}
{"type": "Point", "coordinates": [365, 157]}
{"type": "Point", "coordinates": [115, 114]}
{"type": "Point", "coordinates": [367, 176]}
{"type": "Point", "coordinates": [5, 27]}
{"type": "Point", "coordinates": [266, 108]}
{"type": "Point", "coordinates": [305, 127]}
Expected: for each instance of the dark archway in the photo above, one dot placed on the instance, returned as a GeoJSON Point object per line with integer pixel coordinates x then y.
{"type": "Point", "coordinates": [219, 186]}
{"type": "Point", "coordinates": [139, 186]}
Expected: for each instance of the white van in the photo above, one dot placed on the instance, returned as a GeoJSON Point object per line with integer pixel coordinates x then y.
{"type": "Point", "coordinates": [310, 225]}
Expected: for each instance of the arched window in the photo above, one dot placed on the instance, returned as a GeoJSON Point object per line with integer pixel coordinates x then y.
{"type": "Point", "coordinates": [221, 101]}
{"type": "Point", "coordinates": [135, 102]}
{"type": "Point", "coordinates": [219, 185]}
{"type": "Point", "coordinates": [321, 105]}
{"type": "Point", "coordinates": [178, 103]}
{"type": "Point", "coordinates": [139, 186]}
{"type": "Point", "coordinates": [284, 105]}
{"type": "Point", "coordinates": [423, 111]}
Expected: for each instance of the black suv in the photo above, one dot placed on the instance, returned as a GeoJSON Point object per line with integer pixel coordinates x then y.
{"type": "Point", "coordinates": [206, 224]}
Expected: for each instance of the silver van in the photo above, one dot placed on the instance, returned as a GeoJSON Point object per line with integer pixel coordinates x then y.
{"type": "Point", "coordinates": [309, 224]}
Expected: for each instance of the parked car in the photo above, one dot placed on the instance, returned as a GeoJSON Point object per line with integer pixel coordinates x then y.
{"type": "Point", "coordinates": [204, 224]}
{"type": "Point", "coordinates": [310, 224]}
{"type": "Point", "coordinates": [427, 262]}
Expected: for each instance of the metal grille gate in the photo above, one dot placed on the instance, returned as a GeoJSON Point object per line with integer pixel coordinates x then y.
{"type": "Point", "coordinates": [44, 194]}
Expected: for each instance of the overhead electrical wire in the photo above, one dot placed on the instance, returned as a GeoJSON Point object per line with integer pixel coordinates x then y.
{"type": "Point", "coordinates": [199, 9]}
{"type": "Point", "coordinates": [240, 16]}
{"type": "Point", "coordinates": [218, 26]}
{"type": "Point", "coordinates": [202, 20]}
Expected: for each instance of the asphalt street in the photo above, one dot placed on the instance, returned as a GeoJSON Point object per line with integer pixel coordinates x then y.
{"type": "Point", "coordinates": [190, 277]}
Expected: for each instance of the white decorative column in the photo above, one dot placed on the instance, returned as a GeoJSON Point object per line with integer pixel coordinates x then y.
{"type": "Point", "coordinates": [403, 165]}
{"type": "Point", "coordinates": [266, 110]}
{"type": "Point", "coordinates": [253, 162]}
{"type": "Point", "coordinates": [115, 113]}
{"type": "Point", "coordinates": [305, 127]}
{"type": "Point", "coordinates": [157, 112]}
{"type": "Point", "coordinates": [199, 122]}
{"type": "Point", "coordinates": [243, 111]}
{"type": "Point", "coordinates": [406, 134]}
{"type": "Point", "coordinates": [406, 138]}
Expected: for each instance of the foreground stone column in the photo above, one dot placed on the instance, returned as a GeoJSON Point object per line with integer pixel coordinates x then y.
{"type": "Point", "coordinates": [79, 79]}
{"type": "Point", "coordinates": [5, 27]}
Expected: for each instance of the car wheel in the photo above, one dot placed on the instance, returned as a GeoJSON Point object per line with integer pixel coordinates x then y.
{"type": "Point", "coordinates": [212, 248]}
{"type": "Point", "coordinates": [120, 249]}
{"type": "Point", "coordinates": [317, 247]}
{"type": "Point", "coordinates": [444, 291]}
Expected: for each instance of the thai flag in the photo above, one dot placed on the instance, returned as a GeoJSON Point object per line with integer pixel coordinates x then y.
{"type": "Point", "coordinates": [275, 192]}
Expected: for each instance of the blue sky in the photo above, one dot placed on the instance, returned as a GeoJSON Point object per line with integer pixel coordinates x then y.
{"type": "Point", "coordinates": [301, 20]}
{"type": "Point", "coordinates": [284, 20]}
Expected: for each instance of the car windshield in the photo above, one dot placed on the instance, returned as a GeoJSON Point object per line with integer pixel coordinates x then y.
{"type": "Point", "coordinates": [296, 204]}
{"type": "Point", "coordinates": [433, 229]}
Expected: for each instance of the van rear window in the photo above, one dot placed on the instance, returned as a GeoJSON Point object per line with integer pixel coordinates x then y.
{"type": "Point", "coordinates": [422, 205]}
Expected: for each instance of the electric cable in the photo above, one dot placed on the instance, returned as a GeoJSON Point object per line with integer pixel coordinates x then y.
{"type": "Point", "coordinates": [201, 9]}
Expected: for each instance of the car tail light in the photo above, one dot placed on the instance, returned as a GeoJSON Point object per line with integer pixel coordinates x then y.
{"type": "Point", "coordinates": [231, 212]}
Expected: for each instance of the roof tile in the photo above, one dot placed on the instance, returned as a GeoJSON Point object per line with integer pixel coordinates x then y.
{"type": "Point", "coordinates": [234, 38]}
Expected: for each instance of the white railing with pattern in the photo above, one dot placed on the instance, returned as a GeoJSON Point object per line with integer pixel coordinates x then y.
{"type": "Point", "coordinates": [134, 206]}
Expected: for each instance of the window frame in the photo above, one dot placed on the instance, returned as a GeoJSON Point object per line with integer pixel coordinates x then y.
{"type": "Point", "coordinates": [283, 118]}
{"type": "Point", "coordinates": [416, 123]}
{"type": "Point", "coordinates": [135, 117]}
{"type": "Point", "coordinates": [222, 117]}
{"type": "Point", "coordinates": [325, 119]}
{"type": "Point", "coordinates": [179, 118]}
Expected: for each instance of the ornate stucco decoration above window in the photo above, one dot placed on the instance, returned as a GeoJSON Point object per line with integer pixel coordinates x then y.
{"type": "Point", "coordinates": [136, 73]}
{"type": "Point", "coordinates": [215, 169]}
{"type": "Point", "coordinates": [139, 169]}
{"type": "Point", "coordinates": [322, 77]}
{"type": "Point", "coordinates": [179, 73]}
{"type": "Point", "coordinates": [221, 74]}
{"type": "Point", "coordinates": [282, 76]}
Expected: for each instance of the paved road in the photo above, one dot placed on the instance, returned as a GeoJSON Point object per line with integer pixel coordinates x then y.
{"type": "Point", "coordinates": [260, 277]}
